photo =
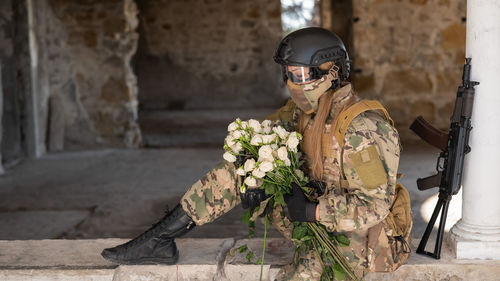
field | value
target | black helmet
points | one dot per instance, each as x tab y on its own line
311	47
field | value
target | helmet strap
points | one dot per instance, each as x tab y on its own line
313	91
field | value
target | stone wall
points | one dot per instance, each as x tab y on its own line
409	54
208	54
14	63
90	45
6	51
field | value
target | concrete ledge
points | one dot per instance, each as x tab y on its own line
201	259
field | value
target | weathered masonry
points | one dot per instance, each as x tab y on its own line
106	73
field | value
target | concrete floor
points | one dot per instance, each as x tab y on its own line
120	193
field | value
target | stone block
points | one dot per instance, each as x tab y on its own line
57	274
115	91
204	272
418	2
426	109
90	39
56	124
453	36
111	26
447	83
364	83
399	111
407	82
246	272
147	272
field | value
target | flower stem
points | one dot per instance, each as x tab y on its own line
325	241
264	248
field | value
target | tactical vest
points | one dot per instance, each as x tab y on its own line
399	218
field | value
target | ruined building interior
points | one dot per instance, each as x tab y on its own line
121	97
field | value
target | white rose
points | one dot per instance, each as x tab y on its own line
244	124
266	166
266	123
251	182
266	152
255	125
299	173
229	157
282	133
274	146
258	173
249	165
256	140
237	148
231	127
292	142
288	162
267	139
240	171
283	153
266	126
236	134
230	140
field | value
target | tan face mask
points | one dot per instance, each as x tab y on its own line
306	96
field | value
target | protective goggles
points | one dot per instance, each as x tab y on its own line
302	74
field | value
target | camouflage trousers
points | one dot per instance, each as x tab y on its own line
217	192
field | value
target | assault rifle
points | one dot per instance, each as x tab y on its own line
449	166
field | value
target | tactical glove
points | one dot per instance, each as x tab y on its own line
319	186
252	199
299	208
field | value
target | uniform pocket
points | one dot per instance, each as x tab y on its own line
369	167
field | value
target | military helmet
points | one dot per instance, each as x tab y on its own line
311	47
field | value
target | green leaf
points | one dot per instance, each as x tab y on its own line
251	229
243	248
306	238
299	232
246	216
279	200
338	271
270	188
343	240
250	256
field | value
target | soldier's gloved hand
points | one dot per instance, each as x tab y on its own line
299	208
252	199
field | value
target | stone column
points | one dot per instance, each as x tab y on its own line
477	234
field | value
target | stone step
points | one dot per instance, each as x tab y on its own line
202	259
192	128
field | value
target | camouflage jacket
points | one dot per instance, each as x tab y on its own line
357	203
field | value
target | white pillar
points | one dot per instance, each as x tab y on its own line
477	234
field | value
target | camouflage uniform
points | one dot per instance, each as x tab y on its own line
356	207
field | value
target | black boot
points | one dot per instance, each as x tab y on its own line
156	245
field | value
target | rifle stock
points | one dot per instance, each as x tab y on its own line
429	133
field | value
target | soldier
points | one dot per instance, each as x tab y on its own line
352	152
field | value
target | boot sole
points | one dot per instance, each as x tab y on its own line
146	261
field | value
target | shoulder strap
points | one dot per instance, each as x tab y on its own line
345	117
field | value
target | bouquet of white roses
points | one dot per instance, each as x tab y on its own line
267	157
